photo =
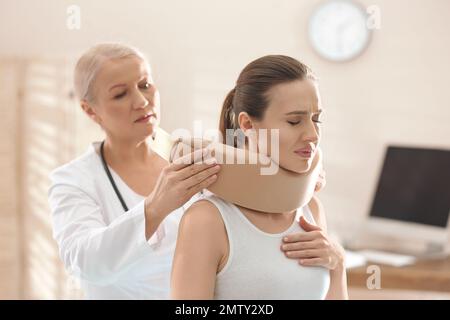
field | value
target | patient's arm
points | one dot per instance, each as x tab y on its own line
200	248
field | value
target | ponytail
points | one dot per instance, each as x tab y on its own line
227	116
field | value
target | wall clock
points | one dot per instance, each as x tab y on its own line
338	31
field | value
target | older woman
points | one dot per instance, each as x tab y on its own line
116	208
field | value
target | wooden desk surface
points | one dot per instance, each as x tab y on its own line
426	275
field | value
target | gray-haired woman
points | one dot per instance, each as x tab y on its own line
116	208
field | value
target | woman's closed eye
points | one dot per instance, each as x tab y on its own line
144	86
293	123
120	95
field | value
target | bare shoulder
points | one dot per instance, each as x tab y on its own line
203	214
318	212
198	253
202	226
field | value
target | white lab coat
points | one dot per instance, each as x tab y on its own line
100	243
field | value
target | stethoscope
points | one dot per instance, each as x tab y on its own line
108	173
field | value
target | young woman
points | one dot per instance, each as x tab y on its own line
225	251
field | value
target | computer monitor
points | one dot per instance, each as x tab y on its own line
412	197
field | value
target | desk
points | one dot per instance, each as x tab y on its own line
425	275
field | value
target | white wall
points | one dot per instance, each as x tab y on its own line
396	92
9	185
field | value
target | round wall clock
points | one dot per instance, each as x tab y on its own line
338	31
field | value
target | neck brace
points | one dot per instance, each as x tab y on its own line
241	182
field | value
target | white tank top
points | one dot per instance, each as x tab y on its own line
256	267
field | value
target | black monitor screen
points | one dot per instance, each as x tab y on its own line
414	186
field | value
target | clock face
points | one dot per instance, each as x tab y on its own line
338	31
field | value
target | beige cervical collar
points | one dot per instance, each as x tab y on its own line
243	184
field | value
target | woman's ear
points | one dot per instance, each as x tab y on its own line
247	126
90	111
244	121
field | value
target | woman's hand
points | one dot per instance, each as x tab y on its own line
179	181
313	247
321	181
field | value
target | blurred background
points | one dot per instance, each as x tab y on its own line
386	86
